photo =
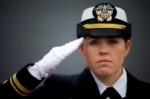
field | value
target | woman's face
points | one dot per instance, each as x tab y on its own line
105	55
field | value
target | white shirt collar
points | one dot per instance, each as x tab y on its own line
120	85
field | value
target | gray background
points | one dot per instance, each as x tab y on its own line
30	28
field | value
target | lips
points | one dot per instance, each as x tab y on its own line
104	61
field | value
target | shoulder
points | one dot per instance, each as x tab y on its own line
139	87
134	81
68	80
60	79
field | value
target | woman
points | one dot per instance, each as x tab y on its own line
104	42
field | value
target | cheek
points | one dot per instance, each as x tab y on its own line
90	55
119	56
87	55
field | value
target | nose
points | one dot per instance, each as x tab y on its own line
104	49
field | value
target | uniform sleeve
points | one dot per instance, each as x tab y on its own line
20	84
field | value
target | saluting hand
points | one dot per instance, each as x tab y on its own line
54	57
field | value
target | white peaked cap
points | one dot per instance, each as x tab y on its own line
104	19
88	14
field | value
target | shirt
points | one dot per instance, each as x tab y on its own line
120	85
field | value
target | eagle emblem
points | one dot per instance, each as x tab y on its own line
104	12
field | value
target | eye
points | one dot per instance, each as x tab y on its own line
93	42
113	41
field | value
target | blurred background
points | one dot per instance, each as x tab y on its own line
30	28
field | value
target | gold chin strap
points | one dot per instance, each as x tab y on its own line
104	25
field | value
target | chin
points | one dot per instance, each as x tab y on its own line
104	73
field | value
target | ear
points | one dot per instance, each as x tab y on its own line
80	48
128	47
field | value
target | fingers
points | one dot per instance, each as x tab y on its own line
70	47
74	44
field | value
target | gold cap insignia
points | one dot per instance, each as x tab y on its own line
104	12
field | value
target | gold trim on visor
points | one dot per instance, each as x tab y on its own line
104	25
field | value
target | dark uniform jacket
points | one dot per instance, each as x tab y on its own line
79	86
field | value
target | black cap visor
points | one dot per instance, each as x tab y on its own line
104	32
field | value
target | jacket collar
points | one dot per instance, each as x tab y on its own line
86	87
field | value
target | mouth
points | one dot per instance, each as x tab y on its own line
104	61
